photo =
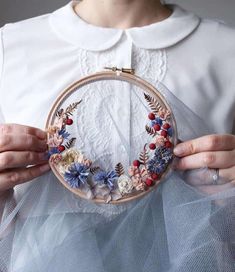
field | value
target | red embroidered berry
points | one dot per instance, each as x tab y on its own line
149	182
164	133
154	176
152	146
166	126
136	163
69	122
151	116
61	148
157	127
168	144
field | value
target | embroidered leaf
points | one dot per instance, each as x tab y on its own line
93	170
69	110
144	157
119	169
154	105
60	113
70	143
150	131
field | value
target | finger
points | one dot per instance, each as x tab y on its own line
13	177
227	174
218	159
14	159
17	129
205	143
23	142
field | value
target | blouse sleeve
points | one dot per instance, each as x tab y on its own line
1	71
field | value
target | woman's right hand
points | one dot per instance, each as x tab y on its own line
21	147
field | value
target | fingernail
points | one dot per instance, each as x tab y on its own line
45	167
41	134
179	150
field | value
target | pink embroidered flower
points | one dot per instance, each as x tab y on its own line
52	130
59	121
55	140
133	170
56	158
139	179
136	180
140	187
159	141
144	174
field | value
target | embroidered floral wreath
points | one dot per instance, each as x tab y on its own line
80	174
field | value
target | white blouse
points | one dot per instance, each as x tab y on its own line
41	56
193	58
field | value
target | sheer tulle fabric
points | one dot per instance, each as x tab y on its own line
186	224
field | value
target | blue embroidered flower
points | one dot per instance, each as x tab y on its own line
162	157
52	151
64	133
76	175
108	178
170	131
157	121
163	154
156	166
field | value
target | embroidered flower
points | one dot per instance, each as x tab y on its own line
52	151
170	131
76	175
156	166
162	157
157	121
163	153
55	140
71	156
133	170
159	141
141	187
52	130
59	121
125	184
64	133
56	158
107	178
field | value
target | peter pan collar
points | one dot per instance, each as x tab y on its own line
168	32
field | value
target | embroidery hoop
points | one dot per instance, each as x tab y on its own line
126	75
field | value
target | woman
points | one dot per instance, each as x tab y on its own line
193	58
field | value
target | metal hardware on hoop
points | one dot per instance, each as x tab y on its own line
124	70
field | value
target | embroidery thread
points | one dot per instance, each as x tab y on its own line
80	173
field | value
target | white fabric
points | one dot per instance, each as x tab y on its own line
41	60
195	59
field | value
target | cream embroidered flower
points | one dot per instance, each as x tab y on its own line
125	184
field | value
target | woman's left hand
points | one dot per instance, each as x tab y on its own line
212	151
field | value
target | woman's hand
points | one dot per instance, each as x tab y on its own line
213	151
21	147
